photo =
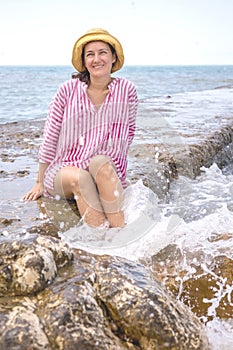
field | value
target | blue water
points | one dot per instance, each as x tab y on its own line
26	91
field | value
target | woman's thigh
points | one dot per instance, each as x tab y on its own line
71	181
66	182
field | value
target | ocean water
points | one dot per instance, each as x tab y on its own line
197	208
26	91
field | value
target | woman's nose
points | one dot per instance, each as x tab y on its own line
96	56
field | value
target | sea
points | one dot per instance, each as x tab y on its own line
197	209
26	91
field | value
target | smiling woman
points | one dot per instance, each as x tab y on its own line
88	131
98	60
97	34
98	55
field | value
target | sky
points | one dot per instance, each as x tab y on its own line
152	32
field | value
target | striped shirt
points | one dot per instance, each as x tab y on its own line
75	130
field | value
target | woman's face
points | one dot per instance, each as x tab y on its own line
98	58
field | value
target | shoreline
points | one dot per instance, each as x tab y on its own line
175	135
155	165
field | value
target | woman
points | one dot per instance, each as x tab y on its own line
88	131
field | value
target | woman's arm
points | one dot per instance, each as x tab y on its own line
133	108
48	147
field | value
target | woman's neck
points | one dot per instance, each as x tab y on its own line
100	84
98	90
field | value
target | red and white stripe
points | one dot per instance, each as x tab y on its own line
75	130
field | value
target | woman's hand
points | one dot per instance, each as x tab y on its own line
37	190
35	193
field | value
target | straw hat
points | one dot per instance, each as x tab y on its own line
96	34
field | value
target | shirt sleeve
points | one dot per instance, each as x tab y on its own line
133	108
52	127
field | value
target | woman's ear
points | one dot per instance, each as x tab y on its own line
114	58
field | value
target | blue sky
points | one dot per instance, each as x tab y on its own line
151	31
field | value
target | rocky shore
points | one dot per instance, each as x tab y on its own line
54	297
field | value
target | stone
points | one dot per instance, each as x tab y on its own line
53	298
143	311
29	264
21	329
202	283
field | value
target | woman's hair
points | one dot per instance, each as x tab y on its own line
85	76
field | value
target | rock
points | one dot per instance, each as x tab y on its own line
209	290
154	165
22	173
142	310
201	282
97	302
21	329
73	319
190	159
7	222
28	265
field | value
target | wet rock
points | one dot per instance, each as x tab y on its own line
28	265
154	165
3	173
22	173
97	302
192	158
143	311
73	319
63	213
158	165
215	236
7	222
167	267
21	329
202	282
62	254
209	291
224	157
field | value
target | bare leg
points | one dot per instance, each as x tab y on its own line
71	182
110	189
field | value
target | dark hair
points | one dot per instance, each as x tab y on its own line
85	76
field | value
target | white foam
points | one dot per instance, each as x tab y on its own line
142	213
151	226
220	334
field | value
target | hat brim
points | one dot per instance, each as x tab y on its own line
96	36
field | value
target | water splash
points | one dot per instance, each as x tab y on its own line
141	214
220	334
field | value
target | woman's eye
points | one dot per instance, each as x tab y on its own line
91	54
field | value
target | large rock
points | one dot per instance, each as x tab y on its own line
20	327
202	282
28	265
140	309
97	302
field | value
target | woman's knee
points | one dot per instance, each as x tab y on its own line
85	180
101	165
